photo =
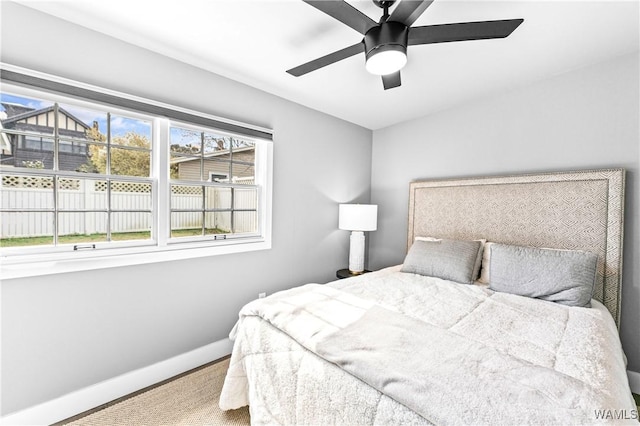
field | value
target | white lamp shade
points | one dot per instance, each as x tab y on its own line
358	217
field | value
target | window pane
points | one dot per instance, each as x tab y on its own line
82	123
244	151
245	199
130	196
77	127
26	192
130	131
27	114
243	174
217	198
26	229
186	197
245	222
29	152
186	224
217	169
184	141
214	144
82	194
83	157
184	167
87	227
218	223
129	162
130	226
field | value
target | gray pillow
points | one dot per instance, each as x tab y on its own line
561	276
452	260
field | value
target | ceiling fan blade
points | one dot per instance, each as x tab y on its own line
345	13
391	80
329	59
408	11
462	31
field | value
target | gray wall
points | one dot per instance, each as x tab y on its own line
587	118
64	332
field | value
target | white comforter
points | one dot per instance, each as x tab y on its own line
390	347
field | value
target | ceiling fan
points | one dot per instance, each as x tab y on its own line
385	43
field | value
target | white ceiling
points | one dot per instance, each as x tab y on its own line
256	41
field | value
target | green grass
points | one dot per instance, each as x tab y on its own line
194	232
100	237
73	239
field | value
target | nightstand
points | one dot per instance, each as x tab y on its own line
344	273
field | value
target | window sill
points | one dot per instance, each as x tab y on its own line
13	270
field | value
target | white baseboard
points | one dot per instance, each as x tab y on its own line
634	381
101	393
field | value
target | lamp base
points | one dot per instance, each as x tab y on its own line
345	273
356	252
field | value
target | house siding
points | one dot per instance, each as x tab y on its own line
243	166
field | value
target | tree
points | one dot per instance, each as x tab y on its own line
127	162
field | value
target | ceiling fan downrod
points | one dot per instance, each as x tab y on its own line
384	5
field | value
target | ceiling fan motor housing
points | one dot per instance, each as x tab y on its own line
386	36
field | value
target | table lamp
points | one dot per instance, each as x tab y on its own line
357	218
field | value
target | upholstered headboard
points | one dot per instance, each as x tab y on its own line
580	210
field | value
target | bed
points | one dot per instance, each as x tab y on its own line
505	311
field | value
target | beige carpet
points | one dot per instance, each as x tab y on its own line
189	400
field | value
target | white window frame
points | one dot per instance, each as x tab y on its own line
36	261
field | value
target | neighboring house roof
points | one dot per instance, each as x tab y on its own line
12	109
30	112
177	160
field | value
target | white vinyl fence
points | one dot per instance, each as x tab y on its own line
20	192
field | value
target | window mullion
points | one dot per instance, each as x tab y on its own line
108	161
160	160
56	167
204	221
204	188
55	210
202	156
109	209
56	138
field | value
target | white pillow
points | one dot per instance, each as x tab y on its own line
479	259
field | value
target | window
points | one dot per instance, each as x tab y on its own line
215	177
201	205
81	177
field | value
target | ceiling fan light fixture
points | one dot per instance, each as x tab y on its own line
386	48
387	61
